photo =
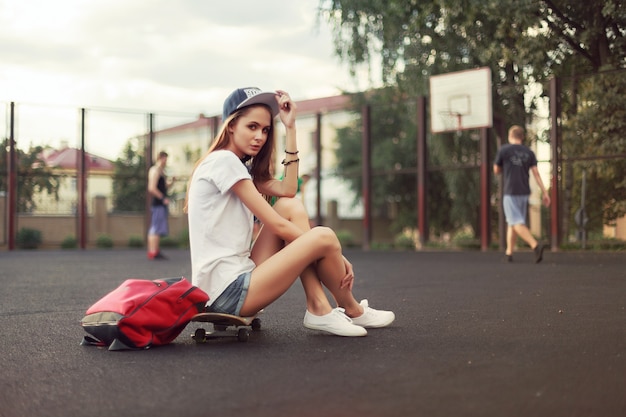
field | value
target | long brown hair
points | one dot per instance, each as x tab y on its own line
259	166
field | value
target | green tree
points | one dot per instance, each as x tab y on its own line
394	161
595	136
129	179
580	37
591	39
33	176
419	39
522	41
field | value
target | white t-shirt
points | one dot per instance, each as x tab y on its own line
220	225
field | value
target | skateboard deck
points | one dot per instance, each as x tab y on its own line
225	325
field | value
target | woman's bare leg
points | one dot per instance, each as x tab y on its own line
293	210
268	244
273	277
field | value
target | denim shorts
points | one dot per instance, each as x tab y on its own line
231	299
515	209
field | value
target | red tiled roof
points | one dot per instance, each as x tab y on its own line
68	158
323	105
201	122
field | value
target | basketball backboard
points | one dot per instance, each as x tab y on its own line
460	100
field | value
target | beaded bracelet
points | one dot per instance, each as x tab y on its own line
291	153
285	162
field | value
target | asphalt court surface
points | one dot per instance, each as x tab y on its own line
473	336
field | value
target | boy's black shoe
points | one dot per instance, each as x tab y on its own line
539	252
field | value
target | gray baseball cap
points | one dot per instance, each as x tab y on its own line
243	97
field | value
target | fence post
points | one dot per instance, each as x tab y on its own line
81	182
485	191
12	185
366	174
500	131
100	215
149	162
332	217
422	173
555	144
3	216
318	168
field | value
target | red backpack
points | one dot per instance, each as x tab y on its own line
142	313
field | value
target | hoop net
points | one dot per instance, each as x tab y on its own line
452	121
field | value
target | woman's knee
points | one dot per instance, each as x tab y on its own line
325	237
290	207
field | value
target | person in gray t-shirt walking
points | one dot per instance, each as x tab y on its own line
514	161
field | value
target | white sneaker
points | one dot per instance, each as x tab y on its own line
335	322
373	318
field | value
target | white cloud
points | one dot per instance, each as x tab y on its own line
163	55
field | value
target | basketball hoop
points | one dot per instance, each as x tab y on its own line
460	100
451	120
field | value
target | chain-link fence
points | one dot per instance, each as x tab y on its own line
360	171
51	140
79	173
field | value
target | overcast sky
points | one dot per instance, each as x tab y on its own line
161	55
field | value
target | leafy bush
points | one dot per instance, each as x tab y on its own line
345	238
466	240
408	239
183	239
604	244
28	238
168	242
610	244
404	241
69	242
135	242
381	246
104	242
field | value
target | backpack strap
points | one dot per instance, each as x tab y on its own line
91	341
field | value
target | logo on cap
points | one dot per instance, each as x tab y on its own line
251	92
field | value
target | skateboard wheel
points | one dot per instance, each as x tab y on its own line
243	335
256	324
199	335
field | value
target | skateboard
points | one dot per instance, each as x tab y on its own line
225	325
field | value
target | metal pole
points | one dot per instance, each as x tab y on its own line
502	227
583	214
149	162
318	169
215	124
422	175
555	138
81	184
12	185
366	175
485	206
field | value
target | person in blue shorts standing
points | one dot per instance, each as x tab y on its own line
514	161
157	188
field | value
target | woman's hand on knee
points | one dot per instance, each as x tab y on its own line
348	280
